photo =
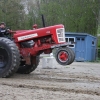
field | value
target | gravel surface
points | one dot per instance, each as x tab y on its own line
78	81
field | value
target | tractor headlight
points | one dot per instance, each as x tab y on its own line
60	34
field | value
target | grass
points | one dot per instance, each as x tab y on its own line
96	61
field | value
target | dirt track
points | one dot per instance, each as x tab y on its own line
78	81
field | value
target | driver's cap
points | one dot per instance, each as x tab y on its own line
2	23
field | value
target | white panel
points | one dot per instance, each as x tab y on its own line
27	36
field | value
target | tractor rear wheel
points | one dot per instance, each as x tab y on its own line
27	69
9	58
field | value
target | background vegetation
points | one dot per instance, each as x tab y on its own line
76	15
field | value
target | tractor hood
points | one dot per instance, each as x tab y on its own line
23	35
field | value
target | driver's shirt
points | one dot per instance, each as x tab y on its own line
2	32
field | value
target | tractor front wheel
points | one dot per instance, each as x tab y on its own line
64	56
72	55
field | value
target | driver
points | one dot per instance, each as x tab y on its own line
3	30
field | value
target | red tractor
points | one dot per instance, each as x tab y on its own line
21	54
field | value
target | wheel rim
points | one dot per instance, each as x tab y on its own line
3	58
63	56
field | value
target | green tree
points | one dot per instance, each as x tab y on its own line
76	15
12	13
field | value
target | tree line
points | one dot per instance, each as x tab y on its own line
76	15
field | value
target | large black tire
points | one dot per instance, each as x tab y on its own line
9	58
63	56
27	69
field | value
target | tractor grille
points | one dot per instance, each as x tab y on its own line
60	34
